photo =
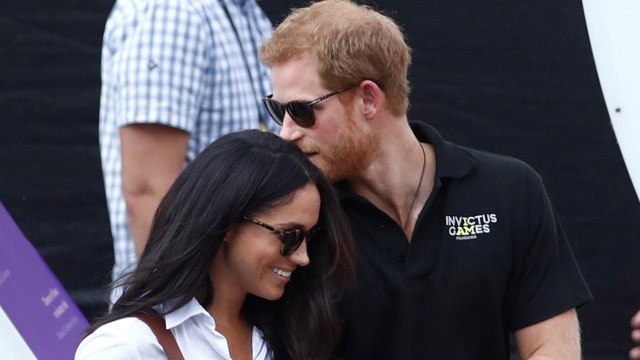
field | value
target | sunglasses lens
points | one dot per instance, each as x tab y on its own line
291	241
275	110
301	113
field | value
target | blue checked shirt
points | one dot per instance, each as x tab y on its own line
179	63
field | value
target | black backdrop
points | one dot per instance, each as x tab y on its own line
512	77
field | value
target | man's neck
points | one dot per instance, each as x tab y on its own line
391	180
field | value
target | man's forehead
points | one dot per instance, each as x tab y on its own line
297	65
295	78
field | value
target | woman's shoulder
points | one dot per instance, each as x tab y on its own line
126	338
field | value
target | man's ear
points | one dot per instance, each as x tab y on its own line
372	97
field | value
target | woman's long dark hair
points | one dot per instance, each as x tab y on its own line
243	174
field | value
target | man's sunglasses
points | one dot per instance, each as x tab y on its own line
291	239
300	111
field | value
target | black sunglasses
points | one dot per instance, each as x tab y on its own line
300	111
291	239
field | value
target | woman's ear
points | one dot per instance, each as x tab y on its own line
231	233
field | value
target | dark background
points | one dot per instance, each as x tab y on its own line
512	77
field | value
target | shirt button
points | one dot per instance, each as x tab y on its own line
400	258
381	226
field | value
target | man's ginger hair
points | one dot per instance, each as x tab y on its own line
351	43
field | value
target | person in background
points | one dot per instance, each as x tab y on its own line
634	354
176	75
455	247
246	256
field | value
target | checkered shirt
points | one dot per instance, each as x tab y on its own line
178	63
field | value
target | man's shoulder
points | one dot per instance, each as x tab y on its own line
493	160
497	174
456	160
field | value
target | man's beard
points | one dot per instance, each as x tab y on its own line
351	153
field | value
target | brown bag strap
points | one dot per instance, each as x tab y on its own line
157	324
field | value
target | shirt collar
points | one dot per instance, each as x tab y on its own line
193	308
451	160
180	315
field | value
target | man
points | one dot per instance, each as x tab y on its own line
176	75
456	247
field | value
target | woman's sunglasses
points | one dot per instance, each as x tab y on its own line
291	239
300	111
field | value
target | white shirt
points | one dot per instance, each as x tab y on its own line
192	326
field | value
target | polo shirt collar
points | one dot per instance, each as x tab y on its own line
452	161
190	309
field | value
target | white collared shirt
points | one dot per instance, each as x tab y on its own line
192	326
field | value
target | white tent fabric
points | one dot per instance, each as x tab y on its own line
614	33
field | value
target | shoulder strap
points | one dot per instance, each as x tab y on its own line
168	342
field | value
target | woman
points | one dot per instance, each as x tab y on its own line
246	255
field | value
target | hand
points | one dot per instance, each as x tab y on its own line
634	354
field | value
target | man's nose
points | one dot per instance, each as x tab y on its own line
290	130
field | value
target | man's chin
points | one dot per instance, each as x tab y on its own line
330	171
326	169
317	161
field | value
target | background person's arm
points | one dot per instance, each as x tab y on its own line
152	157
557	338
634	354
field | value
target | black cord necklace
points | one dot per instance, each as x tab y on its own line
415	196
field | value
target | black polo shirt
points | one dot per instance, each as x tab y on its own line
488	256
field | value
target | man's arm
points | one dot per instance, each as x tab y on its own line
152	157
555	338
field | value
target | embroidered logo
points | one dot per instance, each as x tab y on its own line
469	227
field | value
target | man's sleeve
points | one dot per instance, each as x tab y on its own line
545	280
160	71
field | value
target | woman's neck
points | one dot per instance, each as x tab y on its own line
226	310
227	314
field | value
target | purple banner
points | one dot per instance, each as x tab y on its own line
32	300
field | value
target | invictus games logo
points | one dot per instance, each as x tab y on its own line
469	227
